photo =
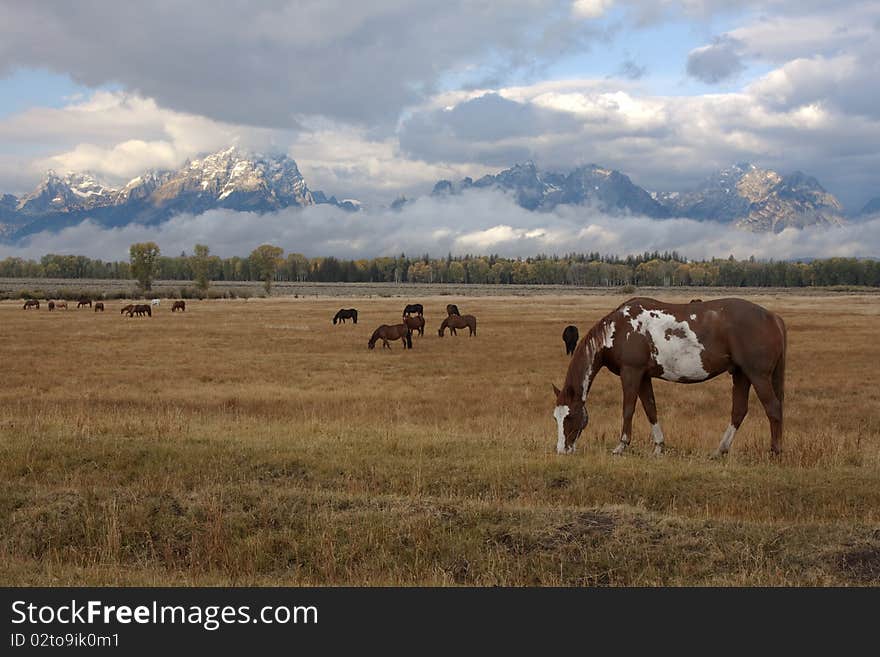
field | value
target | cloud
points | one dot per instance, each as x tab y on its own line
117	136
590	9
489	129
632	71
716	62
478	222
268	63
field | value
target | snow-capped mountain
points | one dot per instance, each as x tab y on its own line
743	195
757	199
534	189
749	197
230	178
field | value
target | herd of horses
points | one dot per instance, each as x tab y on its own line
641	340
130	310
413	321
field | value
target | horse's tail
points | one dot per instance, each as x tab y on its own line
355	316
408	339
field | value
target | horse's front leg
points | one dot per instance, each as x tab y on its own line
646	395
630	379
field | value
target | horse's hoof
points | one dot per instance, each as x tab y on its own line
658	451
618	451
717	455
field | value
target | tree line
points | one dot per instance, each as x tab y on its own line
269	264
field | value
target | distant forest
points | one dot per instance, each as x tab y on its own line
585	269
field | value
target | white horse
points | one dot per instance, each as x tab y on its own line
154	302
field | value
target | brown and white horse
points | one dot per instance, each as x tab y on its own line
644	339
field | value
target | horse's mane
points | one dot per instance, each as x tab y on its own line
375	335
584	365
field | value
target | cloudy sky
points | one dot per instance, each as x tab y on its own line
382	97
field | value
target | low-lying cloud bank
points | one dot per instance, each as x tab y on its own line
480	222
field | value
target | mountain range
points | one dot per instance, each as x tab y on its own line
230	178
743	195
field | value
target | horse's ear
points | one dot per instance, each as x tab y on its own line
556	391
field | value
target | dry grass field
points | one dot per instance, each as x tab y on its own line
252	442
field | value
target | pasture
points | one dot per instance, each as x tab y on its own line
254	442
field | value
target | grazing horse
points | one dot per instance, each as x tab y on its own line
51	306
344	314
99	306
60	305
83	301
126	309
416	323
457	322
413	309
155	302
687	343
180	305
452	309
570	338
140	310
31	303
396	332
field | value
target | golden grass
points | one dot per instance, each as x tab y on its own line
252	442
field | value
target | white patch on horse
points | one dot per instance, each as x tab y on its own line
560	413
608	342
657	434
624	311
601	339
727	439
693	317
624	441
677	349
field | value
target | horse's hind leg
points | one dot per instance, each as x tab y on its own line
630	379
646	395
741	385
773	408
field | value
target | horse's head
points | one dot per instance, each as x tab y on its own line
571	418
334	319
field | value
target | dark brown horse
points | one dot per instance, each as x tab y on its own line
83	301
570	338
396	332
51	306
416	323
180	305
99	305
31	303
344	314
645	339
140	310
413	309
452	309
453	322
126	309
